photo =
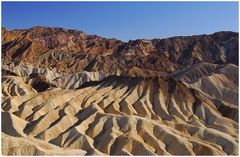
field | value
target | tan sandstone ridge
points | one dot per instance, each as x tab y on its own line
68	93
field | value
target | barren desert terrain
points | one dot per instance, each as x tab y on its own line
65	92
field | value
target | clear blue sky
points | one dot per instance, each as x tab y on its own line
125	20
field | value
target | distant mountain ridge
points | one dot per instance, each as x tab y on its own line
70	49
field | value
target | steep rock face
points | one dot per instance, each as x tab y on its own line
68	93
74	51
